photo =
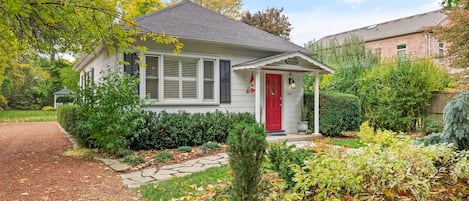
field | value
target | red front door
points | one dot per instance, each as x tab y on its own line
273	102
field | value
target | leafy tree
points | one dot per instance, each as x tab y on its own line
271	20
450	4
70	78
395	95
349	60
456	33
21	86
228	8
135	8
70	26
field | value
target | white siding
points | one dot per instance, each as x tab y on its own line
241	101
101	63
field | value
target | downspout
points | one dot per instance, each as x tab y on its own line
427	53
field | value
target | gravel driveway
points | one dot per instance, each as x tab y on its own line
32	167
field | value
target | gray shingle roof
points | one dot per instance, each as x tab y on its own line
64	91
191	21
402	26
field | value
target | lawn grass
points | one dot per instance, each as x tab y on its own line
178	187
350	143
12	116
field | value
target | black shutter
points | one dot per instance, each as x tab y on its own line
92	75
131	67
225	81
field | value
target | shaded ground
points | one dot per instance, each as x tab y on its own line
32	167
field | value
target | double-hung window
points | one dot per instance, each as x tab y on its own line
177	79
441	52
151	77
180	78
401	50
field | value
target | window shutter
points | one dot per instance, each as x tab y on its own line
92	75
132	66
225	81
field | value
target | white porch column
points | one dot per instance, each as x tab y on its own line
257	106
316	103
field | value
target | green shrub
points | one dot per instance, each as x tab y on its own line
396	95
184	149
210	145
110	112
170	130
432	126
283	158
338	112
164	156
246	148
382	137
68	117
133	159
48	108
378	172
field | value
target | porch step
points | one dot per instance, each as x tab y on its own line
276	133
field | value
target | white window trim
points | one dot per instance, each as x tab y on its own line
399	50
200	81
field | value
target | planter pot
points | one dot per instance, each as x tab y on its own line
303	127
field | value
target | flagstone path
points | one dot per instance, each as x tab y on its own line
153	175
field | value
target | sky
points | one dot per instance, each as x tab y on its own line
314	19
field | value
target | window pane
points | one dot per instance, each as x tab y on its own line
208	90
208	69
208	80
171	89
171	67
189	89
152	88
152	66
189	68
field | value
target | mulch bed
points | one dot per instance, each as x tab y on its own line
179	157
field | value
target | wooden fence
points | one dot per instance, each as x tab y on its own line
438	103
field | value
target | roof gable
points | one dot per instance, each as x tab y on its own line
398	27
191	21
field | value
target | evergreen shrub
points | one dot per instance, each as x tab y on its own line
337	112
68	117
246	148
165	130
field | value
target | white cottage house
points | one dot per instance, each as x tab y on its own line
225	65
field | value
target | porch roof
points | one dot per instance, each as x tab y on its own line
289	61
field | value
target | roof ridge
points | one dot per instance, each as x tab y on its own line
381	23
163	10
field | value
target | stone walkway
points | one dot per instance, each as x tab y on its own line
153	175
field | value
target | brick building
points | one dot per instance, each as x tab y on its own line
407	36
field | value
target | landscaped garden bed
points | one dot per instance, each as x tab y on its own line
176	156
